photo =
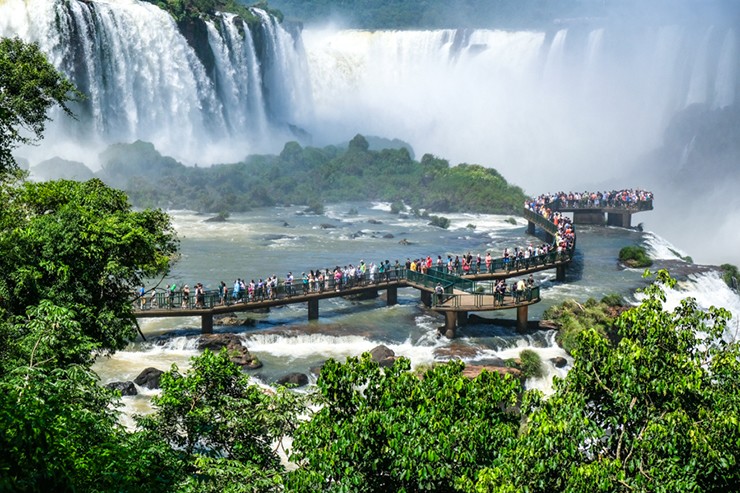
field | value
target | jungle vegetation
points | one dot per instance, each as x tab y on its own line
654	408
308	176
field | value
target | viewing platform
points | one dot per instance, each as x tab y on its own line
611	213
462	292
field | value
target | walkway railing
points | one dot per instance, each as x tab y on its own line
471	301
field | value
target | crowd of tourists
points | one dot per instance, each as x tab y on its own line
345	277
626	199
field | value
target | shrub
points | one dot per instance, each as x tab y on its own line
635	256
440	222
531	364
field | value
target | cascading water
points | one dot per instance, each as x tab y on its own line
579	101
143	80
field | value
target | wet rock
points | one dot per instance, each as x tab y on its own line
388	236
405	242
238	353
294	379
383	355
149	378
456	350
559	361
472	371
374	221
126	388
316	369
327	226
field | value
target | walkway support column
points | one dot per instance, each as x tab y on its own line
521	318
450	324
588	217
619	219
391	296
313	309
426	298
530	227
206	323
560	273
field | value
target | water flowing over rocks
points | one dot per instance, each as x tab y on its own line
472	371
294	379
559	362
126	388
238	353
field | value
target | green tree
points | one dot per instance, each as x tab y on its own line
82	247
388	429
29	87
223	427
656	409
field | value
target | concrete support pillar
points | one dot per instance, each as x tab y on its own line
206	323
426	298
619	219
588	217
450	324
391	296
313	309
530	227
549	238
521	318
560	273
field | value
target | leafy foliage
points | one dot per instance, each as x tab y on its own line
395	14
531	364
730	275
188	10
572	318
654	410
223	426
388	429
29	87
309	176
635	256
80	246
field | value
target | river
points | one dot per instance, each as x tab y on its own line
271	241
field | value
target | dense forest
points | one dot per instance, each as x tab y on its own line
307	176
502	14
651	402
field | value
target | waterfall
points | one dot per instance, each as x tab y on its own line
725	84
574	102
144	80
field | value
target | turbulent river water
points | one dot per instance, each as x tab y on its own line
271	241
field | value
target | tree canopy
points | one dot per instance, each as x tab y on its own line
29	87
305	175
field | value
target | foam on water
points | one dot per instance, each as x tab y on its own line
660	248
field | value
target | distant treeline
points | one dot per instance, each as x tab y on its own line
407	14
308	176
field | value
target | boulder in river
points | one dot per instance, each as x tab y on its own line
126	388
149	378
294	379
383	355
238	353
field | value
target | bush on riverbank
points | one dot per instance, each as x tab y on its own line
531	364
572	318
635	257
730	275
